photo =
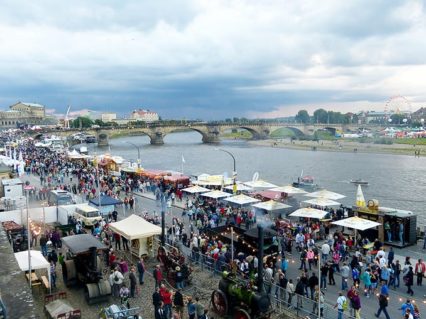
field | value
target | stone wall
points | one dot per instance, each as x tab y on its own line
15	292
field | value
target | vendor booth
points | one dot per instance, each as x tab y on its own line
139	232
37	262
105	204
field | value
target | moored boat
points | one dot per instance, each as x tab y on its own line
305	182
359	182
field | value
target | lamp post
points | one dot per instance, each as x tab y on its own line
234	173
139	152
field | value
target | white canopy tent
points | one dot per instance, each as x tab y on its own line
216	194
240	187
322	202
326	194
196	189
213	180
356	223
241	199
309	213
271	205
138	231
288	189
259	184
37	261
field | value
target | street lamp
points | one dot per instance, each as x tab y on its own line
234	173
139	152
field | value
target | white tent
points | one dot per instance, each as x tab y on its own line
213	180
259	184
240	187
216	194
241	199
37	261
288	189
138	231
195	189
309	213
356	223
326	194
322	202
271	205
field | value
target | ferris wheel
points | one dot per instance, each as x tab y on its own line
397	104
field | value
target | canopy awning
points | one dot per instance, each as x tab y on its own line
322	202
81	243
356	223
309	213
213	180
37	260
105	201
241	199
240	187
271	205
135	227
196	189
326	194
260	184
288	189
216	194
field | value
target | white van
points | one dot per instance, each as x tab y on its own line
89	215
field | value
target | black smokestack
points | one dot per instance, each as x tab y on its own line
93	258
260	257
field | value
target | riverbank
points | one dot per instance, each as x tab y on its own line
343	146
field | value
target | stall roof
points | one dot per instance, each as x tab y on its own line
105	201
135	227
356	223
37	260
81	243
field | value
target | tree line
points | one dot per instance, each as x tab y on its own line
322	116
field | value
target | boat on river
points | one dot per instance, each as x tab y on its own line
306	182
359	182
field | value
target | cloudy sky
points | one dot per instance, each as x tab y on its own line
212	59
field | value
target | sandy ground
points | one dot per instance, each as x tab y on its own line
343	146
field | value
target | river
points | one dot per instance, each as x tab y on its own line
397	181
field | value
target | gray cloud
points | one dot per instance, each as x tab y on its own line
210	59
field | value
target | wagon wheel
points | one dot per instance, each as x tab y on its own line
240	313
219	302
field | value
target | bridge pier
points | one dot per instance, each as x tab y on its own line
103	139
157	138
211	139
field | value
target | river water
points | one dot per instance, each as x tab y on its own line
397	181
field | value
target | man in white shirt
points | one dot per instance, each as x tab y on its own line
339	304
325	250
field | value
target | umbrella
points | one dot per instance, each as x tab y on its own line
195	189
360	200
326	194
216	194
240	187
271	205
356	223
322	202
241	199
309	213
259	184
214	180
288	189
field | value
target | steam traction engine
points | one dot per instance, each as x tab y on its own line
239	298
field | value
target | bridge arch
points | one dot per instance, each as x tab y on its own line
204	136
296	131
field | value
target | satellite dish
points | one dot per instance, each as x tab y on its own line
255	177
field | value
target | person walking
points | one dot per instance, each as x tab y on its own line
341	303
300	291
356	304
313	282
158	276
323	279
408	280
344	271
156	301
290	292
191	308
420	271
178	303
117	280
383	303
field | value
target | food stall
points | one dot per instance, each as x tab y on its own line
391	218
139	232
105	204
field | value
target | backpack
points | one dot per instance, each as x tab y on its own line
116	277
345	304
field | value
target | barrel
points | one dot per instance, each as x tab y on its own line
373	203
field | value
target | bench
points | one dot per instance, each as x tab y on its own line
45	282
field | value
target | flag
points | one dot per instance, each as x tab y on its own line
183	159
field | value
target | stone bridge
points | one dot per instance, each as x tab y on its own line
210	132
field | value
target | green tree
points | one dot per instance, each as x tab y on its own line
303	117
320	116
397	119
82	122
100	122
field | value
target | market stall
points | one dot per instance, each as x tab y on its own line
37	262
105	204
139	232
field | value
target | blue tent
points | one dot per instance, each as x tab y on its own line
107	204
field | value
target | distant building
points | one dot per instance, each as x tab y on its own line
108	117
419	115
22	113
378	117
144	115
